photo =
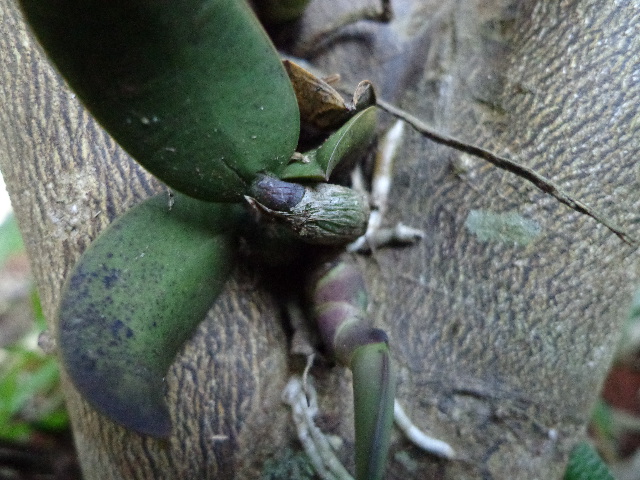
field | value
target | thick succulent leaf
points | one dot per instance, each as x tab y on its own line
342	148
135	297
373	396
193	90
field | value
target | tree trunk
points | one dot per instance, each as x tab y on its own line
502	321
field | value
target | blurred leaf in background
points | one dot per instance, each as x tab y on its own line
290	465
30	396
615	424
16	313
34	428
10	240
586	464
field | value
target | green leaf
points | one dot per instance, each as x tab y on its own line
10	239
57	419
27	375
135	296
602	420
38	314
306	168
586	464
373	397
193	90
344	147
289	465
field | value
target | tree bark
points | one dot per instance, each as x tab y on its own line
501	345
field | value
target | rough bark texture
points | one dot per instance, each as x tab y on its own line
502	347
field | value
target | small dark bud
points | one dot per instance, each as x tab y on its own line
276	194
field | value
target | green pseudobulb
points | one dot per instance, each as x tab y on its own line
135	296
193	90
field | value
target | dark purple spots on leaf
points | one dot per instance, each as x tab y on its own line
77	280
119	330
116	327
110	279
87	362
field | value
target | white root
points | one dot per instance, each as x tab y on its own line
376	236
418	437
304	406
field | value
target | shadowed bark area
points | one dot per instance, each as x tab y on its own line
502	321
